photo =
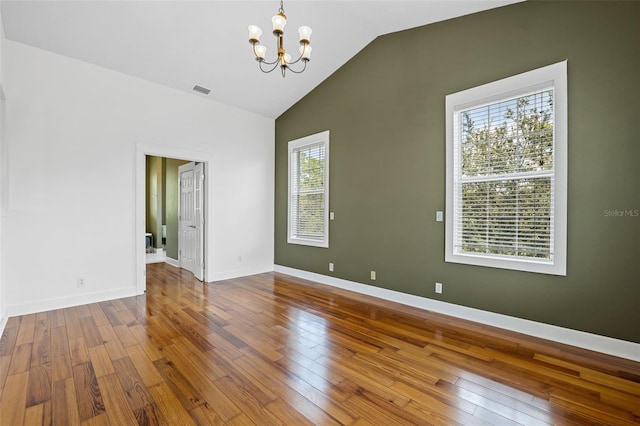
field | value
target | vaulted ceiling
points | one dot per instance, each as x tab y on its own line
181	43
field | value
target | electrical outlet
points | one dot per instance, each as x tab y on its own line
330	267
439	288
373	275
80	282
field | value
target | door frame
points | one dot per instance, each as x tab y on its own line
142	150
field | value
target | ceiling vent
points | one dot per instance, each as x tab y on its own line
202	90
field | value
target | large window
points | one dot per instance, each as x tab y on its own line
309	190
507	173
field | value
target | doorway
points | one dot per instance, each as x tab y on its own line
207	234
162	205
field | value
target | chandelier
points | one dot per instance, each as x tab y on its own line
284	59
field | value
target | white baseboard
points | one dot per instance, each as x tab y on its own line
3	323
227	275
594	342
172	262
242	272
44	305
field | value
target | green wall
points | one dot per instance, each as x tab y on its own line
163	196
385	111
155	200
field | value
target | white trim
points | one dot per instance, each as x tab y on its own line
317	138
172	262
227	275
556	75
594	342
3	324
45	305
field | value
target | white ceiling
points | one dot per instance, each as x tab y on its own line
181	43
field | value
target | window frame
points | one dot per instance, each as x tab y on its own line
554	75
321	138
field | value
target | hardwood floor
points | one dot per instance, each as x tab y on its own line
273	349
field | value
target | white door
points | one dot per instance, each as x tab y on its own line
191	219
198	198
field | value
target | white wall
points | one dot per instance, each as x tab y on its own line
74	133
3	181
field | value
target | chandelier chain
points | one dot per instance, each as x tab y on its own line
281	10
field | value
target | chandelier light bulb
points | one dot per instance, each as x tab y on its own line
261	52
305	52
254	33
279	21
305	34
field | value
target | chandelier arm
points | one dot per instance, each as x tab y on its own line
275	65
296	61
262	61
277	61
301	55
301	71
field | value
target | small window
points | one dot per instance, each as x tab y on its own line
308	222
507	173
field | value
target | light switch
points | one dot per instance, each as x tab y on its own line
438	216
330	215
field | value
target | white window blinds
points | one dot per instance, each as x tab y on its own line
308	190
504	178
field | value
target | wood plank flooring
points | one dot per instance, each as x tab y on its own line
271	349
